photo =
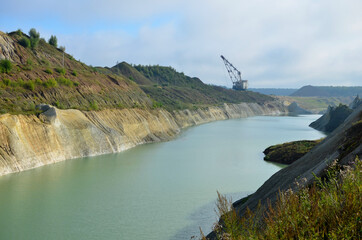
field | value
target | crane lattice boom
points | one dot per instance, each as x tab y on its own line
235	76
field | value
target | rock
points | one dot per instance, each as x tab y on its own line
295	109
28	141
356	102
332	118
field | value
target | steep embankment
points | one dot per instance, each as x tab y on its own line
55	135
334	117
343	144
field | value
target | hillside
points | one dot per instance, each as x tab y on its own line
174	90
323	91
37	76
334	117
338	149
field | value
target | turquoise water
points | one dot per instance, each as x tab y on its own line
155	191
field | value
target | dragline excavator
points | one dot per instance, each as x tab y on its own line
235	76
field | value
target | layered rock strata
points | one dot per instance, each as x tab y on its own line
55	135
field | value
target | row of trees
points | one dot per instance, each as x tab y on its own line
33	40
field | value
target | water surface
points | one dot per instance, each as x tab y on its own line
155	191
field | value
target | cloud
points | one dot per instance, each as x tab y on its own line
278	43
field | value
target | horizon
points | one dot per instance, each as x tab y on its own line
275	45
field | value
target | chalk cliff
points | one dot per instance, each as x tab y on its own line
29	141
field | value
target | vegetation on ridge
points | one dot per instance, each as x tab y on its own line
40	74
289	152
329	209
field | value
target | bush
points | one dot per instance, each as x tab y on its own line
34	42
53	41
329	209
50	83
34	34
62	48
93	106
29	85
74	73
65	81
49	71
34	38
6	82
61	71
5	66
25	42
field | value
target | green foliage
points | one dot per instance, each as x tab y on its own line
25	42
61	71
5	66
34	38
62	48
65	81
30	85
50	83
19	32
156	104
74	73
33	33
329	209
49	71
93	106
287	153
6	82
53	41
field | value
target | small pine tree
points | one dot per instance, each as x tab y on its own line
53	41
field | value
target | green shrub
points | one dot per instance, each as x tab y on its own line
30	85
19	32
6	82
53	41
34	42
50	83
65	81
38	82
5	66
34	38
93	106
25	42
76	84
49	71
61	71
62	48
74	73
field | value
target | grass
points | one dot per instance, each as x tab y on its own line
289	152
329	209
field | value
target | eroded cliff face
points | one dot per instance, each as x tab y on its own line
56	135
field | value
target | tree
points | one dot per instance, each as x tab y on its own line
34	38
25	42
33	33
53	41
5	66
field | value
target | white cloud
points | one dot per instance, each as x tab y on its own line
278	43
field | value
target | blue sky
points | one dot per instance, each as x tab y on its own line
281	43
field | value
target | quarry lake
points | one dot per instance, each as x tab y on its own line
155	191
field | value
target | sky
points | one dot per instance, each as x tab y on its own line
275	44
